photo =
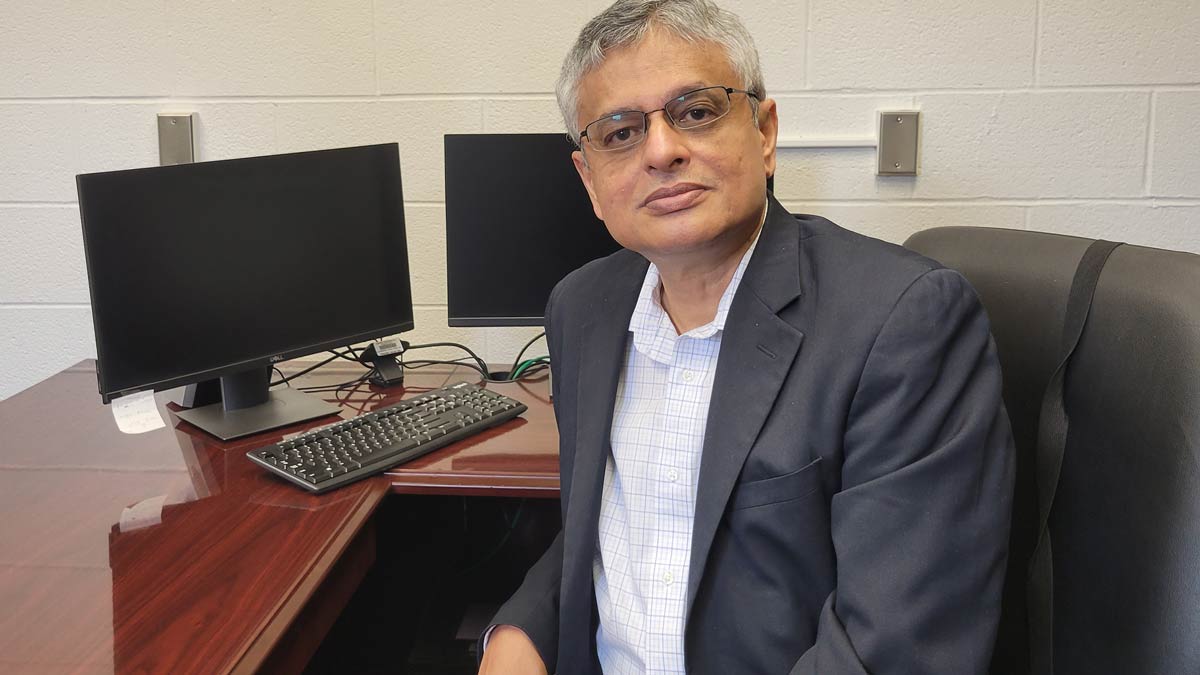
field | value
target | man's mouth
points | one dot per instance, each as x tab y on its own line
673	198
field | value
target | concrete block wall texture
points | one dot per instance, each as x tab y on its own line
1073	116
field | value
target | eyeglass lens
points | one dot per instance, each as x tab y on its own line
690	111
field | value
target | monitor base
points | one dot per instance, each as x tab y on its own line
282	408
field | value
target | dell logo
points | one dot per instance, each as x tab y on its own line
275	359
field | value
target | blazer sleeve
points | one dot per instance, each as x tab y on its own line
534	606
920	525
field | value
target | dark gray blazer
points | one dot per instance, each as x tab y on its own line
856	479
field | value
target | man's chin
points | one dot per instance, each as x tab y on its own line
673	243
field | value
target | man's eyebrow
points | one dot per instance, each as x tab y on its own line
616	111
684	89
673	94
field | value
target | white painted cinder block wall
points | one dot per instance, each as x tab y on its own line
1073	116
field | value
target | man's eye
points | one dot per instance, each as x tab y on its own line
619	136
698	114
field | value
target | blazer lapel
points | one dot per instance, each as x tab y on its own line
602	354
757	351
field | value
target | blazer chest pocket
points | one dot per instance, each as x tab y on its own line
787	487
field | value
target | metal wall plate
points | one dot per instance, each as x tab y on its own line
898	132
175	144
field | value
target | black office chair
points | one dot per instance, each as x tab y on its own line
1125	520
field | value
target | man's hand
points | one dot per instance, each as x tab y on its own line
510	652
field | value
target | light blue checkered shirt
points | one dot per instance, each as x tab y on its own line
649	496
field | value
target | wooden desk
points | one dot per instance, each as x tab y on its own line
517	459
244	572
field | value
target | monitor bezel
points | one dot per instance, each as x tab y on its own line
107	395
495	321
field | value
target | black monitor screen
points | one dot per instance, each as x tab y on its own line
517	221
206	269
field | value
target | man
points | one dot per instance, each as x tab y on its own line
782	444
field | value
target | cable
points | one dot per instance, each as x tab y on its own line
480	366
522	352
536	368
373	397
484	376
474	356
425	363
354	356
524	367
336	355
318	388
293	376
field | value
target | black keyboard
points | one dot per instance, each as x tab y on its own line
329	457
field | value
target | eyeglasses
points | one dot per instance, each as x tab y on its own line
693	110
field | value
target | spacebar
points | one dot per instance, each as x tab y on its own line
383	455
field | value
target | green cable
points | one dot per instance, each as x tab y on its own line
526	365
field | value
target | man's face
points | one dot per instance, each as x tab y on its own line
714	177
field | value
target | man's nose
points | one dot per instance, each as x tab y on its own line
665	147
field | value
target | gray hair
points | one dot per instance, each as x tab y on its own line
626	22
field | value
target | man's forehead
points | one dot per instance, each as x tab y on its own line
648	73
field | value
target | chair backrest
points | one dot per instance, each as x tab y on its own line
1125	523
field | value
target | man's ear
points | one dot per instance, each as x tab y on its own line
585	174
768	128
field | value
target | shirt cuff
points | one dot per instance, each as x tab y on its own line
487	634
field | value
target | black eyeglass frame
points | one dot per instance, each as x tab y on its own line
729	92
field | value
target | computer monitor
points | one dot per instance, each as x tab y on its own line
518	220
223	269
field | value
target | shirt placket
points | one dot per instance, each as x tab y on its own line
672	497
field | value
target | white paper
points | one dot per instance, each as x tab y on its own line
142	514
137	413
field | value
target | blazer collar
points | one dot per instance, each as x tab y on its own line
774	271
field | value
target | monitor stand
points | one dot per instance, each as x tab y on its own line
248	407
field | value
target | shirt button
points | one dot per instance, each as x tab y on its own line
668	578
672	475
688	376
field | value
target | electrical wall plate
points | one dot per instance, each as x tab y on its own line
175	139
898	134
